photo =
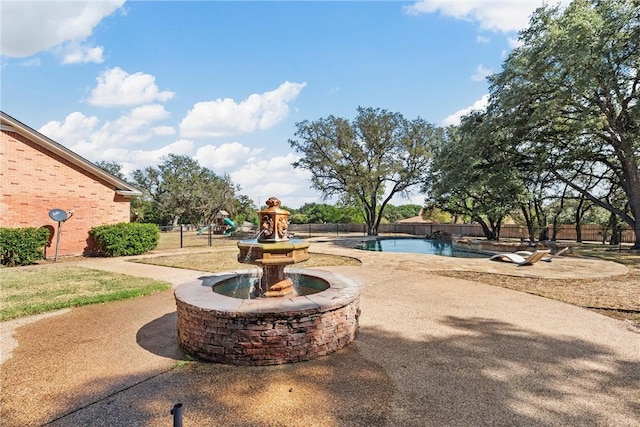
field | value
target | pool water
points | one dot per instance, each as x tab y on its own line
416	246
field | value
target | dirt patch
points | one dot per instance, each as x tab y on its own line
615	296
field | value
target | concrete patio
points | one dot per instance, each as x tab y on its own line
432	351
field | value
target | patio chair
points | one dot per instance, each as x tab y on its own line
519	259
547	258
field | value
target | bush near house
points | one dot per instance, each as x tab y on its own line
22	246
125	238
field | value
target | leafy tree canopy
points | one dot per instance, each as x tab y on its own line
367	161
181	191
469	178
114	168
567	99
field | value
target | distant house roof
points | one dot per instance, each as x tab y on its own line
10	124
416	219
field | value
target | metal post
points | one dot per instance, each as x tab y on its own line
57	241
177	414
180	236
620	240
210	236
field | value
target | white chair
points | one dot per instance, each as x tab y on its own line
548	258
519	259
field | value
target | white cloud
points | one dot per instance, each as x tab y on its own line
81	53
454	118
149	113
76	126
225	117
494	15
225	156
116	87
29	27
88	136
481	73
140	159
163	130
258	175
261	178
33	62
482	39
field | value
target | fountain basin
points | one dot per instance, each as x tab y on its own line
267	331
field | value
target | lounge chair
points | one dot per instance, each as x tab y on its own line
526	254
519	259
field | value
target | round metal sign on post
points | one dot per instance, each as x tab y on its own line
59	216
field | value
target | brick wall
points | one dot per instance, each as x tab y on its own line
34	181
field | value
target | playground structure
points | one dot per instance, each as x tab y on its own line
222	224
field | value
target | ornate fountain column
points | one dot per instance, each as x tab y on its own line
273	251
274	222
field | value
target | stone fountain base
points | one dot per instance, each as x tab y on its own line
266	331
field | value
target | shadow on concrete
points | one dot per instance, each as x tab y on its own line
343	389
483	372
160	337
488	372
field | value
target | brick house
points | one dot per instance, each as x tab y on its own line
37	175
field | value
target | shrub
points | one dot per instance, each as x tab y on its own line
125	238
22	246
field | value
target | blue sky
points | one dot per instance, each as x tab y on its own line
226	81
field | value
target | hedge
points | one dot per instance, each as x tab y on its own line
125	238
22	246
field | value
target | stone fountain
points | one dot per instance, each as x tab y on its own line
274	317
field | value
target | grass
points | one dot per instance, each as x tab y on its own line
42	288
226	259
609	253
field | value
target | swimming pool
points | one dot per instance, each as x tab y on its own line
415	246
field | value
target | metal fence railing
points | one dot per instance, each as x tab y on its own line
590	232
188	236
184	236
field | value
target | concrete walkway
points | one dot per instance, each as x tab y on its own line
432	351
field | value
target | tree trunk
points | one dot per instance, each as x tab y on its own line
488	232
578	218
528	221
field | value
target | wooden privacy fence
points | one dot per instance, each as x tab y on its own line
590	232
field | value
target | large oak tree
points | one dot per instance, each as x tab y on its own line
367	161
568	97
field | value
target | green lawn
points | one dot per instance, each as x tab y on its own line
41	288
